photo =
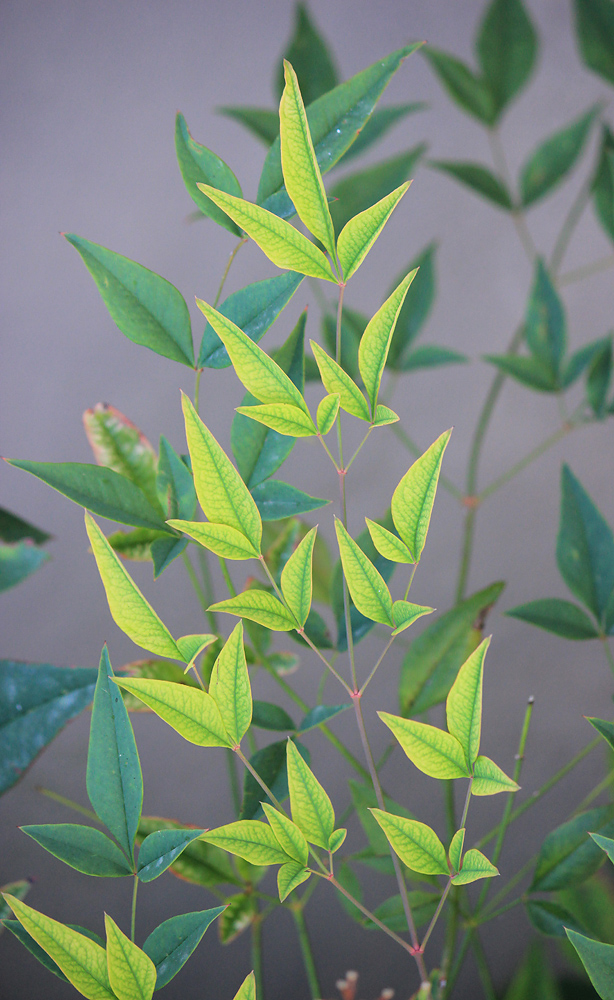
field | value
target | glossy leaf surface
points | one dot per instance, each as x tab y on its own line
296	578
390	546
160	849
404	614
170	945
82	847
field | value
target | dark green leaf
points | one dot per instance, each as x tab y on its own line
558	616
545	327
174	484
33	947
270	763
135	544
471	92
550	918
585	546
568	856
36	702
579	360
82	847
239	914
595	33
275	500
265	715
353	326
359	191
598	960
605	729
430	356
479	178
603	183
506	48
530	372
433	660
114	780
392	911
198	165
592	903
316	630
200	863
335	120
554	158
599	379
160	849
14	529
534	978
380	122
310	58
416	308
172	943
261	122
100	490
146	308
18	561
319	715
164	551
253	309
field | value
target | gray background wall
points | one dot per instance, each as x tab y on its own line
90	91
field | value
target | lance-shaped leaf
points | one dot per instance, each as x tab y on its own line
290	836
555	615
360	233
191	646
336	381
30	944
261	122
405	613
100	490
414	843
258	606
475	865
219	538
160	849
199	165
464	703
597	958
380	122
270	764
130	611
604	728
455	851
506	48
531	372
312	809
432	750
266	715
296	578
568	855
284	245
200	863
17	562
353	325
319	715
132	974
15	529
136	545
599	378
554	158
174	483
606	844
170	945
479	178
367	586
585	546
545	326
595	33
114	780
416	307
470	91
249	839
356	193
82	847
285	418
289	877
119	445
550	918
230	688
310	56
83	962
328	408
247	990
253	309
489	779
221	492
603	183
388	544
276	500
146	308
240	913
373	350
302	175
188	710
413	499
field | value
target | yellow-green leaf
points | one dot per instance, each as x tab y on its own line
375	341
328	408
131	612
219	538
132	973
414	843
312	809
191	646
413	499
405	614
83	962
455	852
475	866
249	839
335	380
291	838
188	710
284	418
230	687
388	545
289	877
221	492
296	582
367	586
360	233
259	606
281	242
301	172
489	779
432	750
248	989
464	703
384	416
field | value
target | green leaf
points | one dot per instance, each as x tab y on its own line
31	945
358	193
367	587
285	418
275	500
200	863
219	538
360	233
605	843
328	408
489	779
188	710
114	779
387	544
174	484
15	529
239	914
129	609
312	809
20	890
291	838
353	325
384	416
296	578
334	119
464	704
416	307
480	179
284	245
319	715
311	58
146	308
170	945
360	624
136	544
82	847
530	372
391	912
198	165
435	657
160	849
534	977
364	799
268	716
595	33
475	866
471	92
230	688
132	973
338	382
119	445
258	606
380	122
249	839
579	360
405	614
506	47
415	843
289	877
261	122
568	856
373	350
247	990
434	751
100	490
545	327
598	960
221	492
270	764
598	380
603	182
36	702
554	158
555	615
604	728
585	546
455	851
82	961
550	918
17	562
413	499
430	356
337	839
